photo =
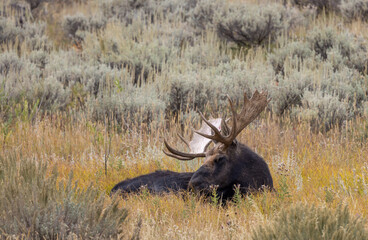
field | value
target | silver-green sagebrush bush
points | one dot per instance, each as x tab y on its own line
354	9
322	110
129	50
10	63
320	5
22	81
34	3
40	58
309	222
295	53
19	11
8	31
135	70
251	25
187	92
128	11
32	34
206	13
75	23
330	65
127	106
35	205
352	50
198	89
75	26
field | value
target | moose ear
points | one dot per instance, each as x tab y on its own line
220	159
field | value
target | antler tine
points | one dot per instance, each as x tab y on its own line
251	109
181	155
217	132
177	157
217	138
232	134
185	141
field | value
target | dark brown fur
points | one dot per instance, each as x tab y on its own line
238	165
156	182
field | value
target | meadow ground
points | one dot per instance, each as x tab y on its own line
323	170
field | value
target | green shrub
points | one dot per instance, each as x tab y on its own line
22	81
294	52
35	205
347	84
127	105
354	9
8	31
323	44
10	63
33	34
322	110
309	222
75	23
40	58
75	26
353	50
19	11
125	10
321	40
289	90
204	15
320	5
128	11
196	89
187	92
142	58
34	3
252	25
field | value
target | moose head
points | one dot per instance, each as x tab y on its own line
228	163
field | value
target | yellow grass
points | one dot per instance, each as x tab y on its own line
314	168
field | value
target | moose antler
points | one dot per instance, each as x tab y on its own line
251	109
197	145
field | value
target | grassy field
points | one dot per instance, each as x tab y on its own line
88	94
324	170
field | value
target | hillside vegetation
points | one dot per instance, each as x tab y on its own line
89	88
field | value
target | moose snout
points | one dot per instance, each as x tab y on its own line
197	184
193	184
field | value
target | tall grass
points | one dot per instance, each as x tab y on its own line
312	168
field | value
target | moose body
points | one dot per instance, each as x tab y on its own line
228	164
242	167
156	182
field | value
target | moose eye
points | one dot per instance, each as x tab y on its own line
220	159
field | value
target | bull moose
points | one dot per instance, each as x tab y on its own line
227	164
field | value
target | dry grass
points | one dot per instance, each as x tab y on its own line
318	169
